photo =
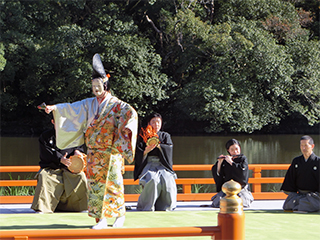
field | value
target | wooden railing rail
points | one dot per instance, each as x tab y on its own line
111	233
231	225
256	181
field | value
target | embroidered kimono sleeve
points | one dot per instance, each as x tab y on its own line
71	121
126	145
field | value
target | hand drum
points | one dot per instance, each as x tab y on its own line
152	141
78	163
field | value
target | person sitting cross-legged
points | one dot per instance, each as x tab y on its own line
153	168
301	182
233	166
58	189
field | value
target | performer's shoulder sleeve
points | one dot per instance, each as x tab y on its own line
70	123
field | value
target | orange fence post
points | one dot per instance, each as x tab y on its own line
186	188
256	187
231	215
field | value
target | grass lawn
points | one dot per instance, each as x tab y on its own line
259	224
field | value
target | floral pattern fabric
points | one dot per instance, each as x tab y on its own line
108	147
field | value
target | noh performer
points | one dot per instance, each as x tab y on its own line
108	126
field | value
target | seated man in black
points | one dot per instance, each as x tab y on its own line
57	187
301	182
153	168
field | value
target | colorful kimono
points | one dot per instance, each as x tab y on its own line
103	126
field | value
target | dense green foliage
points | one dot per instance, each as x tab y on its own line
208	66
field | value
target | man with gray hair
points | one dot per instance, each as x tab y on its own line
301	182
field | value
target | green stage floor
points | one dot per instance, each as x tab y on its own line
259	224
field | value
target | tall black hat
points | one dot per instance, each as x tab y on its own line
98	69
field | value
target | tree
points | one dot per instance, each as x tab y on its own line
237	74
3	61
305	94
49	57
241	86
207	66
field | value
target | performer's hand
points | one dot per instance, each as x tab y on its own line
77	153
127	133
50	108
229	159
149	148
66	161
221	158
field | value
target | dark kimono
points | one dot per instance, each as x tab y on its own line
156	175
165	155
239	172
302	184
57	187
50	155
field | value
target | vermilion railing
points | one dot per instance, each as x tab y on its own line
256	181
231	225
111	233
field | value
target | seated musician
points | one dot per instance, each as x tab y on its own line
233	166
58	189
153	168
301	181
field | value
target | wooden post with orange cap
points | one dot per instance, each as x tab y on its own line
231	215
